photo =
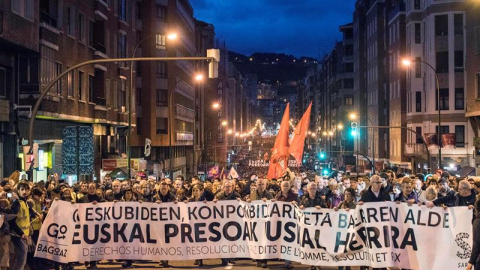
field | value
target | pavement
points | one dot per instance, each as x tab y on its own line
214	264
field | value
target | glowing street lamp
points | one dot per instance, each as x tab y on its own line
224	123
216	105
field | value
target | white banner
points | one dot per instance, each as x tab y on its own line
374	234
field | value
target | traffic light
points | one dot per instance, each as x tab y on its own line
322	154
353	129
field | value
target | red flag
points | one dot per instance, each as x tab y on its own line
279	158
431	140
298	140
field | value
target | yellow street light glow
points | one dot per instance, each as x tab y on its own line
352	116
224	123
199	77
229	131
324	133
237	134
216	105
340	126
313	134
406	62
172	36
330	133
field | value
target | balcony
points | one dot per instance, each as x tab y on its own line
415	150
48	18
184	113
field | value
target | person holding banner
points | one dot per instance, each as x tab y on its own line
197	196
312	198
164	195
376	192
261	192
475	256
286	195
464	197
407	195
227	195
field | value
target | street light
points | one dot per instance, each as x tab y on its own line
407	63
216	105
224	123
171	36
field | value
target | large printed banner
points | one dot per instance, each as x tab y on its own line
373	234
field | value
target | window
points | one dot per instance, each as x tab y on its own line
348	83
58	86
161	69
348	100
70	85
476	39
49	12
121	95
70	21
122	47
416	4
418	67
348	67
122	10
443	130
418	33
443	99
138	96
458	61
81	85
441	25
458	24
162	125
3	82
24	8
349	50
459	136
139	127
91	28
81	28
160	42
442	62
459	99
418	135
162	97
91	94
477	84
418	101
162	12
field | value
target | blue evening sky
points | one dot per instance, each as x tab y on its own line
297	27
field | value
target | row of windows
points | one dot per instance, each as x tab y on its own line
459	97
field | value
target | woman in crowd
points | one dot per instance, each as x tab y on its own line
197	196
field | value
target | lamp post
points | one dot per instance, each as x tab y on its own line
213	57
171	36
407	63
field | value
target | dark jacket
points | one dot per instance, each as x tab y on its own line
403	198
165	198
475	256
369	196
254	196
292	196
312	202
455	200
221	196
90	198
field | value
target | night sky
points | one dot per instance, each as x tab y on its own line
297	27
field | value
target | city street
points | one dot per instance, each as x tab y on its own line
208	264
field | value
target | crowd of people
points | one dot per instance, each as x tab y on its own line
24	205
